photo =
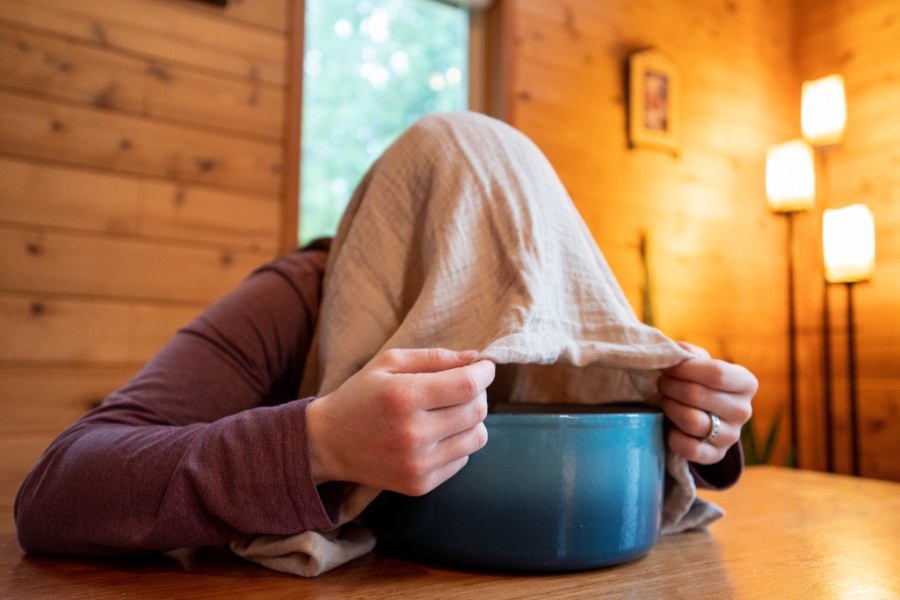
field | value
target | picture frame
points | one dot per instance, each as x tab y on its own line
654	101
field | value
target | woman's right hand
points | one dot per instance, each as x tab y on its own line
406	422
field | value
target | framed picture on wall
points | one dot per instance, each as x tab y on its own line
654	101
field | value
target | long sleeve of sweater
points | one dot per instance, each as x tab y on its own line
722	474
205	444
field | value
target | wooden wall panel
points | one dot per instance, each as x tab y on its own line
861	41
68	70
39	194
172	31
64	394
88	265
37	329
255	108
40	329
141	155
90	137
44	65
36	194
233	219
716	253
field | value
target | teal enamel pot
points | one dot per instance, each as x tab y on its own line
555	489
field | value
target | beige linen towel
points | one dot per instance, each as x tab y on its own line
462	236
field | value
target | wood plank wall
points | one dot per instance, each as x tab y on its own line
141	166
141	151
715	252
717	256
861	41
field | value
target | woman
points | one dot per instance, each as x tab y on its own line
459	236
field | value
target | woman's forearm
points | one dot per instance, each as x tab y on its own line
205	444
110	487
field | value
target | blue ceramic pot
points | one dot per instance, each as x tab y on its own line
551	491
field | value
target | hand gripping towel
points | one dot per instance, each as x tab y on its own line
462	236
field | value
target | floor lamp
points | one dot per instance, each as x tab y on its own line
823	119
848	236
791	188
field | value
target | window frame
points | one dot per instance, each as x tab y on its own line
485	57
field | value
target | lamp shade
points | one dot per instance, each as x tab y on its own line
790	177
848	235
823	110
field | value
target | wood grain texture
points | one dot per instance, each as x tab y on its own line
43	329
140	154
44	196
64	69
788	535
87	265
47	399
169	31
89	74
250	107
45	130
202	214
48	196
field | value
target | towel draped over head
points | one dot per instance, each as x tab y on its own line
462	236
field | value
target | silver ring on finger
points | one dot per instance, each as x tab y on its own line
714	425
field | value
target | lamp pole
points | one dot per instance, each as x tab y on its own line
826	373
849	241
828	396
790	188
851	381
792	341
823	118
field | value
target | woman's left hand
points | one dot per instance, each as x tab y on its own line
695	390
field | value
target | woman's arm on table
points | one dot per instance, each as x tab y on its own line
207	443
204	444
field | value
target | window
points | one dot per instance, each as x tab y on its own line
371	68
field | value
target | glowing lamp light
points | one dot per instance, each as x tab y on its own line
849	243
823	110
790	177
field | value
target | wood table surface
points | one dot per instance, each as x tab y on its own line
788	534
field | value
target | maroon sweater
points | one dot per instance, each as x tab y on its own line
207	443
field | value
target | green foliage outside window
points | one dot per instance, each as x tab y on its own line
371	69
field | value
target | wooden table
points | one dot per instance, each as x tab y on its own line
788	534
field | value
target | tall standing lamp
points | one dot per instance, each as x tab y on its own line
791	188
823	119
848	236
